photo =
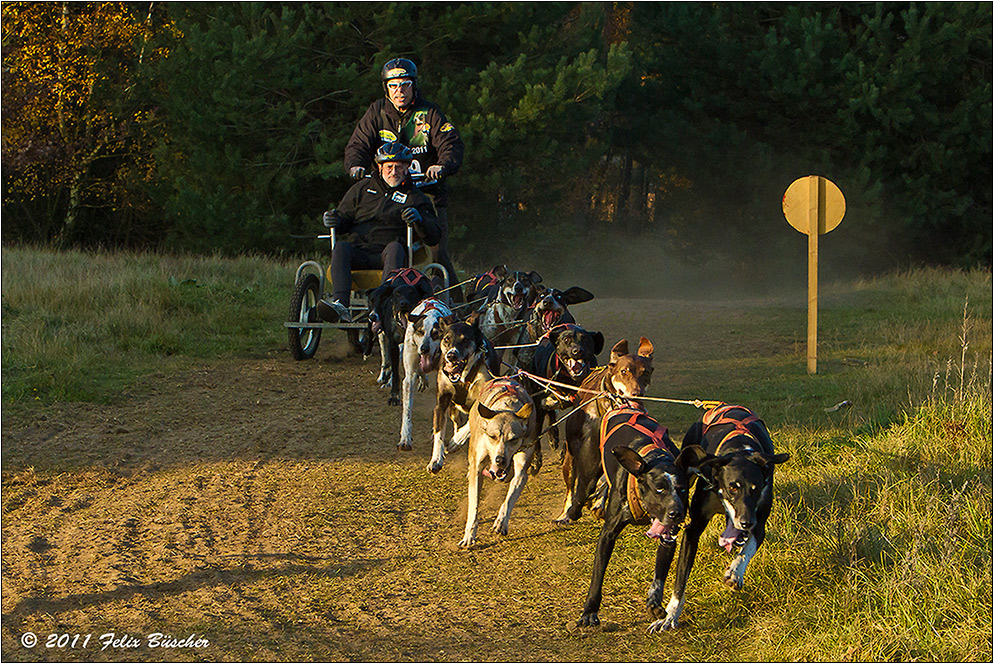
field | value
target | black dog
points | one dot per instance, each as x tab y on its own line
550	309
647	484
739	483
389	305
566	354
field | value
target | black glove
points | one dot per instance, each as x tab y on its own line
357	172
331	219
410	216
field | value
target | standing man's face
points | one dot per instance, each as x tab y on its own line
394	172
400	92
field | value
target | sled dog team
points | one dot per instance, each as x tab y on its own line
508	369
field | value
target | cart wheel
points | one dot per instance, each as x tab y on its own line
303	309
436	274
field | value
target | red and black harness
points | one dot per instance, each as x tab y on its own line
486	280
504	386
718	416
659	443
409	276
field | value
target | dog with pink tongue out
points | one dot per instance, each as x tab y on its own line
737	482
502	428
646	483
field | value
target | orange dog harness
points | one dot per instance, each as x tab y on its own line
718	416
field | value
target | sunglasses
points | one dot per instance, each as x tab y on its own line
399	85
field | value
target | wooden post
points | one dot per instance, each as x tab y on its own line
813	206
815	216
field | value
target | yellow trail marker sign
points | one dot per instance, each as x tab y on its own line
814	206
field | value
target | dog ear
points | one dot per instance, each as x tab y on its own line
524	412
709	466
645	348
485	412
472	318
598	342
535	277
619	351
630	460
763	459
576	295
501	271
690	457
415	318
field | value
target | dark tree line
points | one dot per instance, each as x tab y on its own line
221	126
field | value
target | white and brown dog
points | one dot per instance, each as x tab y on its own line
502	428
420	356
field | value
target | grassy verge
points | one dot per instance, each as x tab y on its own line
79	327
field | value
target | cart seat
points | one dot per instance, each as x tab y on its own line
366	279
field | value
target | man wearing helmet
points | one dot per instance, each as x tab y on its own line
371	222
404	115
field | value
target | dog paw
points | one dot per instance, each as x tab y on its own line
433	467
654	602
393	401
404	446
562	521
658	626
467	542
733	581
500	526
589	620
422	384
536	464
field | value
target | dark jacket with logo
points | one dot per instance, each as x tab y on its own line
422	127
370	214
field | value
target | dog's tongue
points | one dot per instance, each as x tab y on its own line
493	472
728	538
656	530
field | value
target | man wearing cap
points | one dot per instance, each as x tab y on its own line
404	115
371	222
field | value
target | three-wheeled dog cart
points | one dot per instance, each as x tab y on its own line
313	282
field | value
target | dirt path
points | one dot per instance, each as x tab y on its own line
262	507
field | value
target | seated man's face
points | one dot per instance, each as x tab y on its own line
394	172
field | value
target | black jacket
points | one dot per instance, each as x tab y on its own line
370	213
422	127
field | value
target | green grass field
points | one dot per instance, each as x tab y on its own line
880	543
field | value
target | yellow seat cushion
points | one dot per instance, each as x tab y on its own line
367	279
